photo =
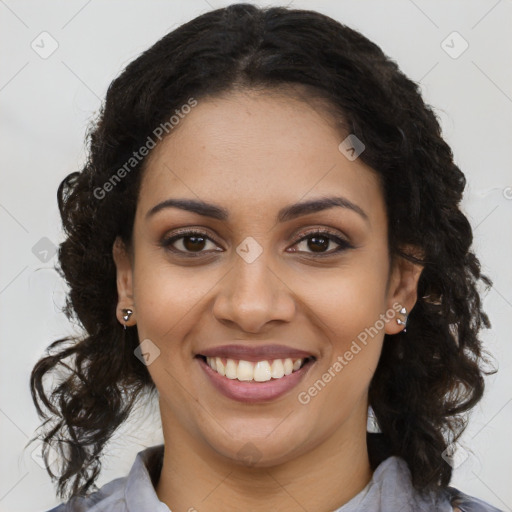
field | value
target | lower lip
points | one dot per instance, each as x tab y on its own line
252	392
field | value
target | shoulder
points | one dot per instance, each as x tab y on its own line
462	502
393	479
110	497
133	492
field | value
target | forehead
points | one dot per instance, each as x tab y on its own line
254	149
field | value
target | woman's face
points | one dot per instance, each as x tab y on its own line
258	284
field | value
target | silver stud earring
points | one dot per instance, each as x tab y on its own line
399	321
372	424
127	313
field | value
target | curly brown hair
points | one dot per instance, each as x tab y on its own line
426	380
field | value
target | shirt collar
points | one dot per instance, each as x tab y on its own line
140	494
390	483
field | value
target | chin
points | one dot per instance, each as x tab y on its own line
261	447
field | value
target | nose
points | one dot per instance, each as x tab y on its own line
252	295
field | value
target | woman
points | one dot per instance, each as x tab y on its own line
267	234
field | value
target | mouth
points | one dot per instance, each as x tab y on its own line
256	381
255	371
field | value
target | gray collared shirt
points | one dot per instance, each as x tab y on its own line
389	490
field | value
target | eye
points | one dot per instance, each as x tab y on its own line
318	241
187	242
194	243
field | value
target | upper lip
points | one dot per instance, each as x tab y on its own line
255	352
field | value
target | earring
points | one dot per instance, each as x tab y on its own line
372	424
399	321
127	313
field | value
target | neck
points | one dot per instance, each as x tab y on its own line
195	477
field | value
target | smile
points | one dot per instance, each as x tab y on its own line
254	381
259	371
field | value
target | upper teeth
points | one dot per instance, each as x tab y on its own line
260	371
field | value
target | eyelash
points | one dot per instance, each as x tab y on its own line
167	242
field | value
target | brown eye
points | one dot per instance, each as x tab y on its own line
319	241
187	242
194	243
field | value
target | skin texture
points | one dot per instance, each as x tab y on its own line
253	154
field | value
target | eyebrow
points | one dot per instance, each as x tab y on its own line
285	214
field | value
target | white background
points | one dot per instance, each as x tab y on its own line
46	105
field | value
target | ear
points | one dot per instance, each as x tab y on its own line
123	262
403	288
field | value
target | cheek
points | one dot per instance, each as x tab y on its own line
346	301
347	311
167	300
166	296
